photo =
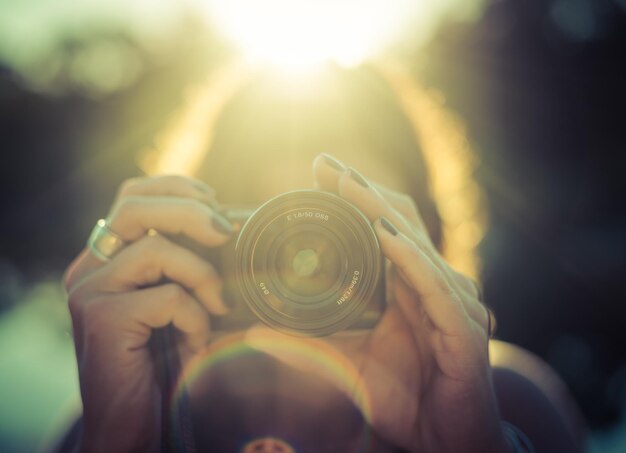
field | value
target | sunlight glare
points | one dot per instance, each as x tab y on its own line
296	34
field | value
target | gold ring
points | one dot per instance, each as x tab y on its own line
103	242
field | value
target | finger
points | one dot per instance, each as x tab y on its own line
326	172
375	203
152	308
358	190
354	187
403	203
152	259
134	216
439	300
82	265
166	185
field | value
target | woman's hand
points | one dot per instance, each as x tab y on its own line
116	305
426	364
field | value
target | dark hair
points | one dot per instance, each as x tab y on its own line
265	123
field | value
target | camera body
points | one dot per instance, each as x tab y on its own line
306	262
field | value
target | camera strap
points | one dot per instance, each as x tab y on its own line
176	427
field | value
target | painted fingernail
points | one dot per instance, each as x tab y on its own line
358	177
387	225
221	224
333	163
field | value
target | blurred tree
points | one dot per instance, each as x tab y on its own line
543	88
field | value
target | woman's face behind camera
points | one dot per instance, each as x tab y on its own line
254	397
267	136
264	145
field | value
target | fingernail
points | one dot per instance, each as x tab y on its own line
358	177
387	225
221	224
334	163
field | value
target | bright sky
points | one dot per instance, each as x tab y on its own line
287	32
298	32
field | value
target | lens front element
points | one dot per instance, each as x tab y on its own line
305	263
308	262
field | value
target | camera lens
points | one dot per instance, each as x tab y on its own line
308	262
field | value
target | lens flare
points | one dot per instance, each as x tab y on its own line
309	356
297	34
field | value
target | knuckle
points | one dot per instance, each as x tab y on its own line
192	215
410	256
154	244
207	276
468	284
196	209
403	203
123	211
423	239
177	181
126	206
210	278
152	250
96	308
442	284
445	287
98	317
176	293
87	309
76	304
408	203
128	186
427	250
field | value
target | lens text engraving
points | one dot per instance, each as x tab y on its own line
264	289
346	295
307	215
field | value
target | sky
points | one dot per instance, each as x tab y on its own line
347	31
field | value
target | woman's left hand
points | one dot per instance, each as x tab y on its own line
425	366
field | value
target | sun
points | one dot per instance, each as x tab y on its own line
296	34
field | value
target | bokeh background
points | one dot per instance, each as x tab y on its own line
540	85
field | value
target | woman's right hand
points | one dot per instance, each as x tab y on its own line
115	305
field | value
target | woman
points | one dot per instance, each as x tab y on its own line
421	378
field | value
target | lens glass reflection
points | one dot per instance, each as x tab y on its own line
308	264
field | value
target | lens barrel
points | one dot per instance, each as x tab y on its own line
308	263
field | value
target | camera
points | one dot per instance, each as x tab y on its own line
306	262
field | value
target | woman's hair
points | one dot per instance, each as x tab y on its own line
242	127
351	114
